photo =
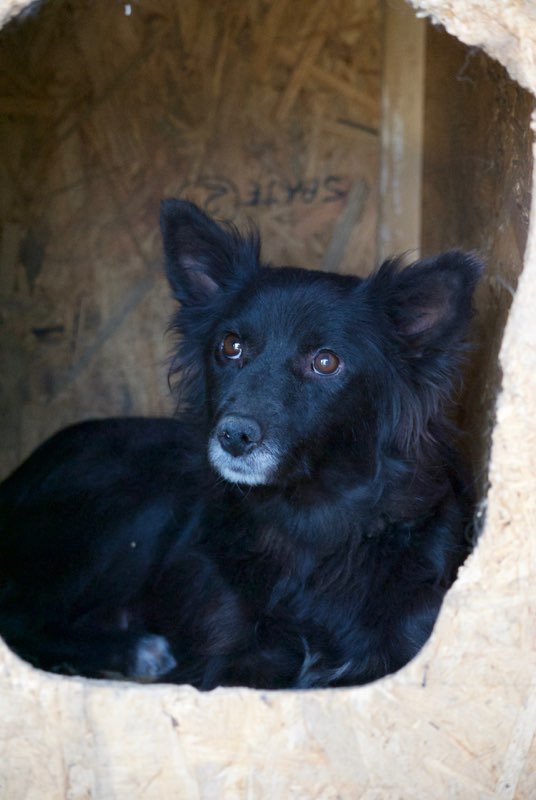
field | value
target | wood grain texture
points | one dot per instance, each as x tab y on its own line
401	141
258	111
459	722
477	182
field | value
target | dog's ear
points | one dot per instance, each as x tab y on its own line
202	256
429	303
427	308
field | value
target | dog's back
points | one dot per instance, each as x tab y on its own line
298	526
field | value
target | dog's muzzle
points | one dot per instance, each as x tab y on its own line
238	435
240	452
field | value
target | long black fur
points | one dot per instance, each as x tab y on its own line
292	527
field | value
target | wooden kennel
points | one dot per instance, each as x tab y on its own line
348	129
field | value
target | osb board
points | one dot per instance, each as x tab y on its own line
459	722
503	28
9	8
477	178
268	110
401	134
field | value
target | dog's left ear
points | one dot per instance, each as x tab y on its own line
429	303
201	255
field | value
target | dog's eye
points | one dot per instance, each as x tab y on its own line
326	363
231	347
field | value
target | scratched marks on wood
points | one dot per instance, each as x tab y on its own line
259	111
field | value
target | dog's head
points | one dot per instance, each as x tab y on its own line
304	374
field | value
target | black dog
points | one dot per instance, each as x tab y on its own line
297	525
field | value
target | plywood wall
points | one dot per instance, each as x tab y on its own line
262	110
477	179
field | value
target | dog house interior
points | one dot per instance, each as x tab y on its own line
348	131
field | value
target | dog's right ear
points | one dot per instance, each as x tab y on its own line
201	256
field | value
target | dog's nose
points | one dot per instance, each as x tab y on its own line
238	435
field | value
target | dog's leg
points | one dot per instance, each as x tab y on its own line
90	651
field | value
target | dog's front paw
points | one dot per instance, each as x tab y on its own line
151	658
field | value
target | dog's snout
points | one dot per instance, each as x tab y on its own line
238	435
